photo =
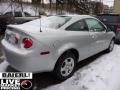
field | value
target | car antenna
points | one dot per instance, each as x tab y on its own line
40	21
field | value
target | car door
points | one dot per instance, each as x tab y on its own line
98	34
81	38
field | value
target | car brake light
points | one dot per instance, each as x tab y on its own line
27	43
118	26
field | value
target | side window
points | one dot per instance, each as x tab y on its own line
78	26
18	14
95	25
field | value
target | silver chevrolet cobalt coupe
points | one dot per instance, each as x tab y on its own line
55	43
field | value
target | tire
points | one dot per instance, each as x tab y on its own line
65	66
111	46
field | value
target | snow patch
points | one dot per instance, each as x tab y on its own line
3	66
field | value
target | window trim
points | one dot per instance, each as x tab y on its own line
87	29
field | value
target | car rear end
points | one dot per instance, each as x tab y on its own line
25	53
112	21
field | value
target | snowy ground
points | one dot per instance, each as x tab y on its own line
5	7
101	74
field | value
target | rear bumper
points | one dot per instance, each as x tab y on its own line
28	61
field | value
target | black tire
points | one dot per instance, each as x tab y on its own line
111	46
61	63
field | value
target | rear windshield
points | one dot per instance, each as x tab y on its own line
109	19
54	22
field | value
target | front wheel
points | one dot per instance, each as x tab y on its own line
65	66
111	46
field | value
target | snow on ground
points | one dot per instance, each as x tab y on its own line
5	7
3	66
102	74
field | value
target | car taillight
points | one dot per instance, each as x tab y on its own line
118	26
27	42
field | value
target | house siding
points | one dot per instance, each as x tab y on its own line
116	8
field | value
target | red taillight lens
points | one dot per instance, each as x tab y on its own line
118	26
27	43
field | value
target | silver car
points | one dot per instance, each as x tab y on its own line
56	43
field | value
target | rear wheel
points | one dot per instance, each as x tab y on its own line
111	46
65	66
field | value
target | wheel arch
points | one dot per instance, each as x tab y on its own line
70	50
